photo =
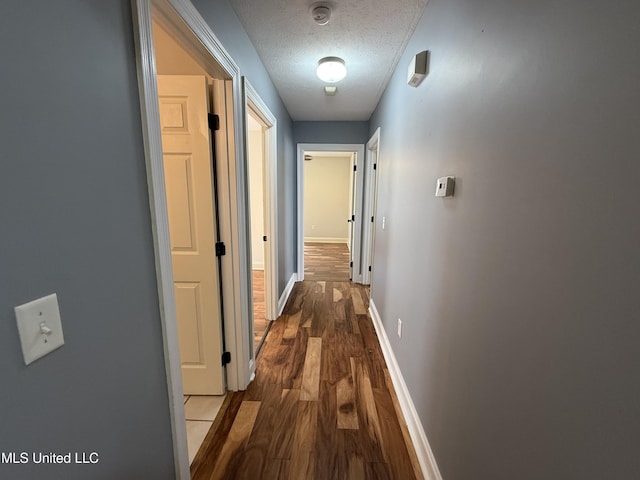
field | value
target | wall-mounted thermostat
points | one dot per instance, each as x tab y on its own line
418	68
444	186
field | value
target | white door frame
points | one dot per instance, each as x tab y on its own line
198	39
254	104
370	202
357	240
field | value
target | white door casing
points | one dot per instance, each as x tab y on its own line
181	19
356	249
372	170
254	104
353	188
186	145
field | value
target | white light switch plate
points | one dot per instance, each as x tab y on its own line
40	327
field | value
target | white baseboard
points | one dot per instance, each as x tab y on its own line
416	431
257	266
282	301
326	240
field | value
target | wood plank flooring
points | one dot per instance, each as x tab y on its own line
260	322
321	406
326	261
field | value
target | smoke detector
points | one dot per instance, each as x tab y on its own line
321	13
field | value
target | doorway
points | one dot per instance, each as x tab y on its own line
348	230
372	171
261	149
187	94
255	167
183	23
328	206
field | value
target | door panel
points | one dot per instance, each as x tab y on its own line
190	202
190	325
180	202
354	248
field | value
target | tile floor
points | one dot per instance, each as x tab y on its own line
200	412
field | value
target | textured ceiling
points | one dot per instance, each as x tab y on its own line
369	35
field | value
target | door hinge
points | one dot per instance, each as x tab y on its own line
264	238
375	166
371	219
369	267
353	218
355	168
226	358
214	121
220	249
351	265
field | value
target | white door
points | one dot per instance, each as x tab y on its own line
355	221
370	206
186	145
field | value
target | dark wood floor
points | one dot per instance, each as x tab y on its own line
321	406
322	261
326	261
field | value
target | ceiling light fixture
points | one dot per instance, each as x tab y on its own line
331	69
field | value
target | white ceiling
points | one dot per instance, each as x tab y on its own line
370	35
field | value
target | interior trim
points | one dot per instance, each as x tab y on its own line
199	38
417	433
356	249
286	293
369	204
257	106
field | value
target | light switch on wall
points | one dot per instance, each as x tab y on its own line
40	327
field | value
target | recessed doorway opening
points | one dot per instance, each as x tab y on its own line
330	211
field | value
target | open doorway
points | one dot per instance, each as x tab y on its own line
261	149
187	94
328	206
330	176
255	163
183	24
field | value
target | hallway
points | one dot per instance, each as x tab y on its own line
321	406
326	261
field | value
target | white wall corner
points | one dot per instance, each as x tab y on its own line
416	431
285	294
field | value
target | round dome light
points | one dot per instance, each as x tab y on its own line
331	69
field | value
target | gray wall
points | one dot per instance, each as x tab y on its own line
75	220
226	26
519	295
330	132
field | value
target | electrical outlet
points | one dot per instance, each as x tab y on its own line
399	328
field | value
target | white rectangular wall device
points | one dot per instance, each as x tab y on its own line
418	68
445	186
40	327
